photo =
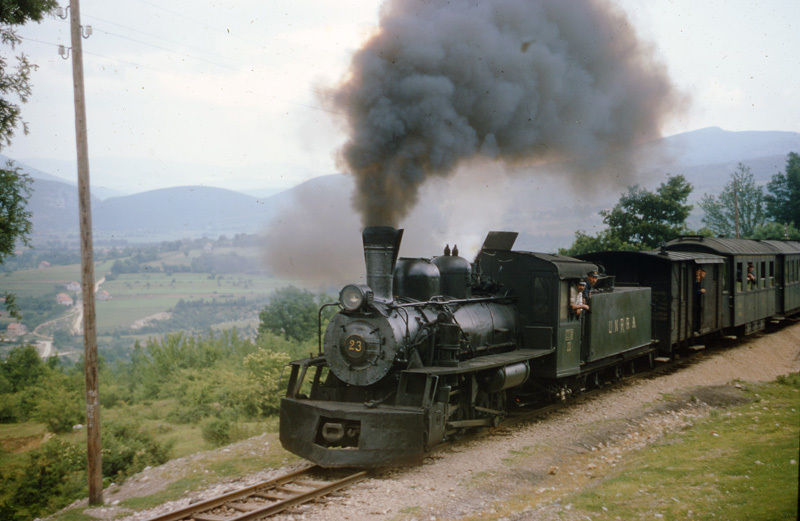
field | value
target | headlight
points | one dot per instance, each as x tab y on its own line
353	296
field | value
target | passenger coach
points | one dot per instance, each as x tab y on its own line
747	301
787	268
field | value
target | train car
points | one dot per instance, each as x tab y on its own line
685	305
787	274
749	282
431	347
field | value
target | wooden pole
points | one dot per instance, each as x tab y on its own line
94	463
736	205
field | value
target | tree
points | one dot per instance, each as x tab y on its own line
15	219
641	219
646	219
778	231
16	83
783	193
15	88
291	313
603	241
741	199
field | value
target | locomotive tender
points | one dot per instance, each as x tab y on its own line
429	348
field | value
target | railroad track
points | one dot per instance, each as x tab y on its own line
263	499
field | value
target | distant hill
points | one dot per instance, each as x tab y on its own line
543	208
183	211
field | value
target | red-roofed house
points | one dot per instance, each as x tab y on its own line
64	299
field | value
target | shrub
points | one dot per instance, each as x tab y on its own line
127	449
50	478
217	432
265	368
58	404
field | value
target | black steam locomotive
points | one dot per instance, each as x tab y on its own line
431	347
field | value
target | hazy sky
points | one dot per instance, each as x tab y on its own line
224	93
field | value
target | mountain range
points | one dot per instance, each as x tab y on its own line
544	208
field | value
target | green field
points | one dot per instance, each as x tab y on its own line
38	282
136	296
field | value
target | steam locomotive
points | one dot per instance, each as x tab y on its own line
429	348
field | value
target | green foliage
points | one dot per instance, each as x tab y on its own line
49	478
603	241
291	313
189	315
740	194
15	218
54	475
18	12
645	219
641	219
265	368
157	363
59	403
16	83
217	432
220	376
127	449
15	186
777	231
783	197
22	368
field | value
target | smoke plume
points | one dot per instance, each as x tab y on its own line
519	81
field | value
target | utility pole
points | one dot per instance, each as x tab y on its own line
736	204
94	463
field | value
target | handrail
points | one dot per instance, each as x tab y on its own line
319	325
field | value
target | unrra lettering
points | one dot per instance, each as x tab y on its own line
621	324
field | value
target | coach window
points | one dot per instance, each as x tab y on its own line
738	277
771	274
726	284
763	275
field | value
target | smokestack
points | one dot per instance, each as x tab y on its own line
381	246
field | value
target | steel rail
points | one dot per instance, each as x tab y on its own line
261	490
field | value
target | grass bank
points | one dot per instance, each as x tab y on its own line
738	463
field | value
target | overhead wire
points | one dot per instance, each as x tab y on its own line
156	36
156	46
169	50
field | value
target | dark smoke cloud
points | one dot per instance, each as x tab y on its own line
515	80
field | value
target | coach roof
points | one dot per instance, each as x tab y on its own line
720	245
784	246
